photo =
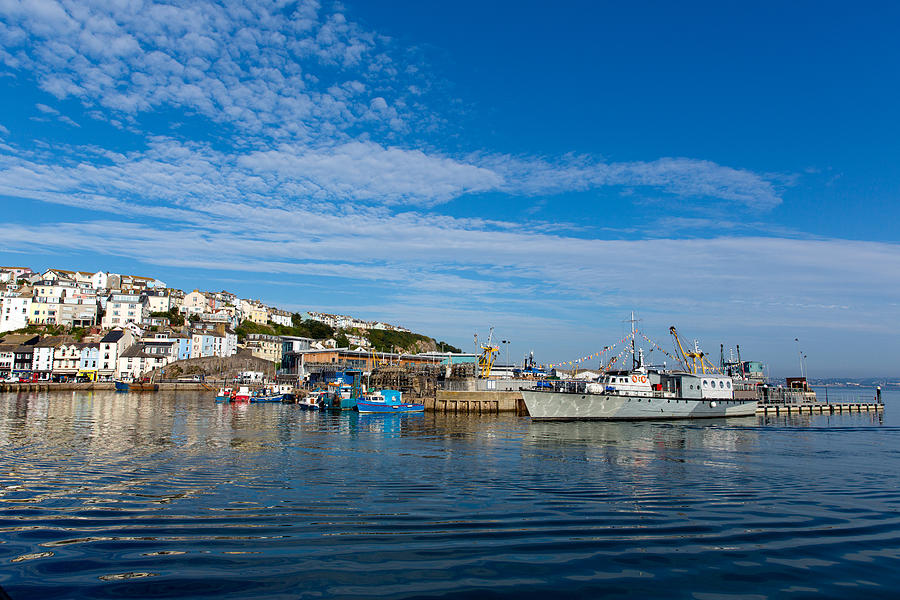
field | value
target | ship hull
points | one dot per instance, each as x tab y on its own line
562	406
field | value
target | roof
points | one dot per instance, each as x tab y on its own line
53	341
113	336
133	351
18	339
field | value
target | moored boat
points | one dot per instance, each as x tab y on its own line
387	401
700	390
313	400
242	394
265	396
639	394
136	386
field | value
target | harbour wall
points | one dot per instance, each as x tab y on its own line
95	386
488	402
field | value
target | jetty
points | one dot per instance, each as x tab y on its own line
818	408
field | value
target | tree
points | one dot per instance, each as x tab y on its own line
445	347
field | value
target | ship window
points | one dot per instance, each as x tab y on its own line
721	384
705	383
728	384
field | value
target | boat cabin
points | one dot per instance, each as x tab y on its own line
701	385
632	383
647	383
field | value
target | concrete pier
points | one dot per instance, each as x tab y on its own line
476	402
818	408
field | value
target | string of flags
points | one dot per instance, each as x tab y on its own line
578	361
658	347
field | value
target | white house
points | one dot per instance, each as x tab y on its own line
280	317
158	300
66	358
124	308
195	303
14	311
8	274
141	358
58	274
54	288
42	359
112	344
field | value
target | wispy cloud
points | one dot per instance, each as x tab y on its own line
332	95
680	176
526	270
355	171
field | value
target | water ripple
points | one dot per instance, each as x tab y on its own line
172	496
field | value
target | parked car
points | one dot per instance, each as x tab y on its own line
10	379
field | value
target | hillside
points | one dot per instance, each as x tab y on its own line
380	339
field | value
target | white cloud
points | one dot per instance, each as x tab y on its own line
306	77
46	109
367	171
680	176
182	173
244	63
468	264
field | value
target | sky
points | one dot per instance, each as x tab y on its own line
541	168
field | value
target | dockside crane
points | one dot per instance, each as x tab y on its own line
694	361
488	355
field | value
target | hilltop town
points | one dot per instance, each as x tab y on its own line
67	325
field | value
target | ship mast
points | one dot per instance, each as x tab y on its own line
634	355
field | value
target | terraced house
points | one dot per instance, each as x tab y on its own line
125	308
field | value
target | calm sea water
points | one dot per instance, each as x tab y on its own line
106	495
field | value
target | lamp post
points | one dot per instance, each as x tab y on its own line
800	354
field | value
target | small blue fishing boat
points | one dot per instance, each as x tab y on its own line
267	398
271	393
387	401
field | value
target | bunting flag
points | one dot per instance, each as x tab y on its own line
578	361
658	347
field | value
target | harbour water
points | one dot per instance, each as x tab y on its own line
168	495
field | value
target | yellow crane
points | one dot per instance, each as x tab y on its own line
694	361
488	355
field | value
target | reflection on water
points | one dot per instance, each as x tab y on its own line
171	495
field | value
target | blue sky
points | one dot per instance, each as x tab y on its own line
544	169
